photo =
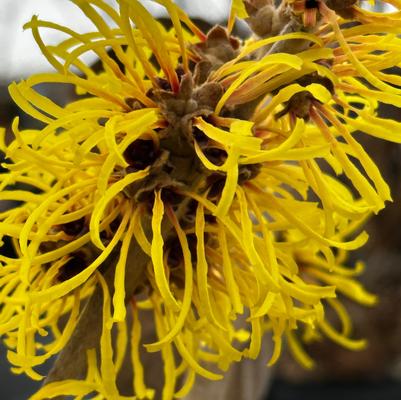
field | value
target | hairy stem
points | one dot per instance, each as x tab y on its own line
71	363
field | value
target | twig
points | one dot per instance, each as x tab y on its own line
71	363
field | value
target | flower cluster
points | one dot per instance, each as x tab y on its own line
213	183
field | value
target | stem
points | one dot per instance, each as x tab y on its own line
291	46
71	363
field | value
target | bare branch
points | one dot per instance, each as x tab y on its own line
72	361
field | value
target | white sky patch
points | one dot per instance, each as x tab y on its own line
378	6
19	53
21	57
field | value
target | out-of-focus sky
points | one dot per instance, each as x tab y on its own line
19	54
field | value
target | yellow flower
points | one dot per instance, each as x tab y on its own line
199	178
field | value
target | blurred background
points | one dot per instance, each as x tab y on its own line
373	374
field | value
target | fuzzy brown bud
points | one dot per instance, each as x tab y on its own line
218	48
264	18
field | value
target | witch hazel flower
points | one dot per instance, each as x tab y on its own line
206	185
